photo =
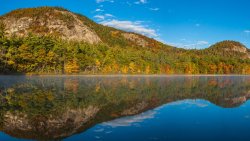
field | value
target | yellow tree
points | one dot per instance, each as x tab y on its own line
168	69
212	69
132	67
107	69
147	70
115	67
246	69
188	69
72	67
124	69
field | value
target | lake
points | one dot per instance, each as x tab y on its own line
135	108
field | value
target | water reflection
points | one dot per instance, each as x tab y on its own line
130	120
58	107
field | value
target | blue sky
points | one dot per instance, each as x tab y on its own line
183	23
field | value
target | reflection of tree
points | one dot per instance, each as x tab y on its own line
71	85
63	104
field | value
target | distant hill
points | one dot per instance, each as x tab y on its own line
231	49
52	40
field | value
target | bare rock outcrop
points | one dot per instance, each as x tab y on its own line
63	24
136	39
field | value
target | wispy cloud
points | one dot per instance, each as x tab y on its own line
109	15
154	9
141	2
247	31
99	17
131	26
127	25
99	10
102	17
202	43
100	1
190	45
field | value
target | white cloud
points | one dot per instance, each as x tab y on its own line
202	43
154	9
100	1
247	31
190	45
109	15
99	10
99	17
131	26
103	17
141	2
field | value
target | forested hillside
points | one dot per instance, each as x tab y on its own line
46	46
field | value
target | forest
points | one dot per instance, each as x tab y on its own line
47	54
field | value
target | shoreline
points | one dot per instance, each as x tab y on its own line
123	75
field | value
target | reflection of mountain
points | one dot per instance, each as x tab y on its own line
58	107
47	127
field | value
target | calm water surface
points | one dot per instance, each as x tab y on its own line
135	108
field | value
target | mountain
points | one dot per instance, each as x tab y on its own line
49	21
231	48
62	23
52	40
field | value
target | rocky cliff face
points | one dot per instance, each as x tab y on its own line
136	39
237	49
231	48
54	22
240	49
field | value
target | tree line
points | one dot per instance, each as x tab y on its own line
51	55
